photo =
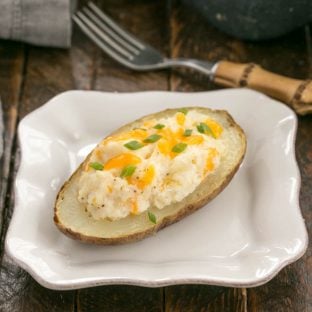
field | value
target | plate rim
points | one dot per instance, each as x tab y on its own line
158	282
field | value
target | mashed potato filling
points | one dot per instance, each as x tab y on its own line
154	165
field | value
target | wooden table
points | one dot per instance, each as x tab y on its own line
29	76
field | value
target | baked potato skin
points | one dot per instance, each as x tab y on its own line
187	209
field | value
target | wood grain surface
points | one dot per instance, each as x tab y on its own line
29	76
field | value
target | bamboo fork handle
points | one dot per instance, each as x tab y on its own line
296	93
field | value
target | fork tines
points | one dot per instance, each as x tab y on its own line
114	40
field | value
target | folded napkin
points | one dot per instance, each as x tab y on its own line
1	131
40	22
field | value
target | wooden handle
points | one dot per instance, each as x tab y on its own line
296	93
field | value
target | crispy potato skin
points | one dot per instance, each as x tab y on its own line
189	207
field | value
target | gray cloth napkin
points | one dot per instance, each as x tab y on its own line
40	22
1	131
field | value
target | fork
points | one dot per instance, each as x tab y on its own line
137	55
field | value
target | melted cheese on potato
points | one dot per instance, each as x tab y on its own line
153	166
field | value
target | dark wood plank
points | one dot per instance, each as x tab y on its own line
11	73
48	72
11	68
51	71
189	298
146	19
120	299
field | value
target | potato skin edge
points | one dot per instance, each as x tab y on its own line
185	211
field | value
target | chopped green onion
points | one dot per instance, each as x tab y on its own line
152	138
183	110
159	126
179	148
188	132
203	128
96	166
152	217
127	171
133	145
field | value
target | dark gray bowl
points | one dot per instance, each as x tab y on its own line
254	19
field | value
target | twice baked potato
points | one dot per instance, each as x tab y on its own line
149	174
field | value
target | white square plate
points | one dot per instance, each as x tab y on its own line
242	238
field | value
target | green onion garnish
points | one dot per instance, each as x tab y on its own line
152	138
133	145
203	128
188	132
96	166
127	171
179	148
152	217
159	126
183	110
